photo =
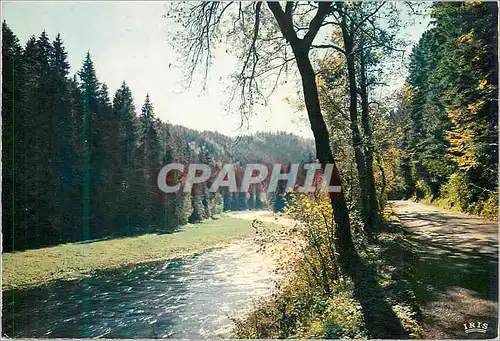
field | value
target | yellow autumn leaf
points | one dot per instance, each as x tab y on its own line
474	106
482	84
465	38
473	3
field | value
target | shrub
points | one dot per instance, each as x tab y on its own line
457	193
489	209
300	312
317	230
422	190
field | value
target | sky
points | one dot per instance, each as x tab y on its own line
128	42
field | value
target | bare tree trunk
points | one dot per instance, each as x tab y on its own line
343	237
373	214
356	135
383	182
300	47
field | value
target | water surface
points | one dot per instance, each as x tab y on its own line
192	297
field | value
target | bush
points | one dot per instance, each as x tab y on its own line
300	312
317	230
488	209
343	318
422	190
457	193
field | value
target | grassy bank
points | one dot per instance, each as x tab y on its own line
69	261
486	210
458	195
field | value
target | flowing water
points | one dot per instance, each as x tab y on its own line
193	297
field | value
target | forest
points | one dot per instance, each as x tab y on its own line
67	137
449	144
81	163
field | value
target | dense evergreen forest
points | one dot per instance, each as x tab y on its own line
447	112
80	164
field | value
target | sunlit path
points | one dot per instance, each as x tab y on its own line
457	269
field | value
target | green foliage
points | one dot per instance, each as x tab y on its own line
216	205
489	209
185	208
422	190
259	204
299	312
449	150
317	229
457	192
343	319
251	200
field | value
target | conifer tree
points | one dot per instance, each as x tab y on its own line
13	153
63	154
89	87
124	115
148	165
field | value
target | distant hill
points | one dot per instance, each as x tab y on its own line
276	147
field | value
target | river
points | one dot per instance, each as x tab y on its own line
193	297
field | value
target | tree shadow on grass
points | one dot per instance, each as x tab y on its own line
380	319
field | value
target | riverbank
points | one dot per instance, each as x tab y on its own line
376	301
72	261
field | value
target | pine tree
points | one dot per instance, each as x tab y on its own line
63	151
126	179
227	205
89	87
104	154
13	153
207	198
251	198
148	164
235	204
453	82
39	100
169	218
242	201
259	204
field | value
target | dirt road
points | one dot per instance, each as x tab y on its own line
455	270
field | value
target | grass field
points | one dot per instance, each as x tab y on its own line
69	261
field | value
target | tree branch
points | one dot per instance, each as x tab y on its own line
358	25
329	46
285	22
252	50
324	9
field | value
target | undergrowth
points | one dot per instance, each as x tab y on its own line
460	195
303	309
